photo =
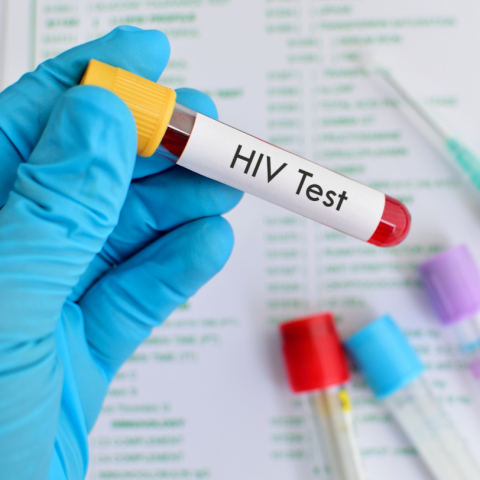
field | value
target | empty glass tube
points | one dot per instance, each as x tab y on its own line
317	368
452	281
218	151
394	372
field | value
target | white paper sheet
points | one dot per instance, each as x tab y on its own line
17	39
206	396
3	15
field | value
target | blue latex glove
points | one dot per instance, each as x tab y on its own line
71	211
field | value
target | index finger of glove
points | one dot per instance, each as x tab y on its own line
26	105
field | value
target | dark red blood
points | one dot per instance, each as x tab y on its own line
175	141
394	224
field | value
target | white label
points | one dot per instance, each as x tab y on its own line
235	158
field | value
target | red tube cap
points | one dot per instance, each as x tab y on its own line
313	353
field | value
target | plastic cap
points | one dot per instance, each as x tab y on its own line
452	281
151	104
384	356
313	353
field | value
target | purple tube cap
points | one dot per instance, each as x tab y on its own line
452	281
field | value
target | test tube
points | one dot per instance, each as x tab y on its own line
317	367
394	372
452	282
218	151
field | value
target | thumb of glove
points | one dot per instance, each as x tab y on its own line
64	204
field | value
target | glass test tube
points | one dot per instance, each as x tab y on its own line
452	281
317	368
394	372
220	152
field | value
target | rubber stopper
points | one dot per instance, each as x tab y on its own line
384	356
151	104
313	353
452	281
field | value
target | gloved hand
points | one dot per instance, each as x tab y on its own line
70	212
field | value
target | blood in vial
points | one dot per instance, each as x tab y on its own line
393	226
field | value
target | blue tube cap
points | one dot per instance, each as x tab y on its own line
384	356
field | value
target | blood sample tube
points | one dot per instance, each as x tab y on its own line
452	281
394	372
218	151
317	368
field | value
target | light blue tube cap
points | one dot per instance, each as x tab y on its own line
384	356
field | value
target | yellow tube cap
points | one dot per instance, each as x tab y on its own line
151	104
